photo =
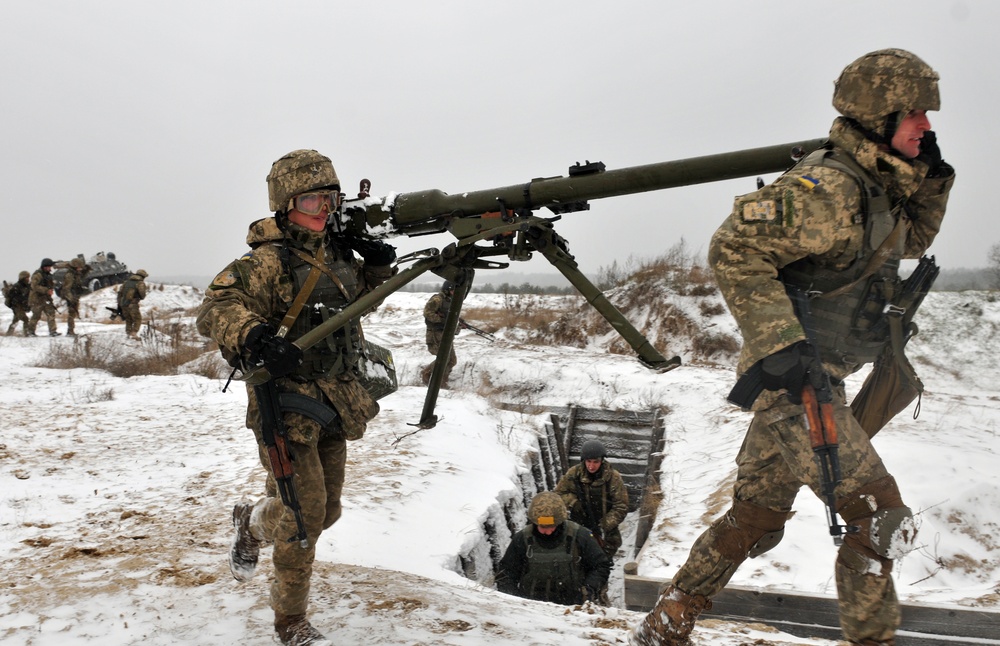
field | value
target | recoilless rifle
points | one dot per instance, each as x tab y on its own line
471	328
502	222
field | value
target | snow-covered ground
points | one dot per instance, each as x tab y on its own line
115	493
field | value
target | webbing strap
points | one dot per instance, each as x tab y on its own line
303	295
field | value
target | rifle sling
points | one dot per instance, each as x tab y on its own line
303	295
879	258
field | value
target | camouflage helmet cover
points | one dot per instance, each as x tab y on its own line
142	272
76	263
23	275
547	508
297	172
883	82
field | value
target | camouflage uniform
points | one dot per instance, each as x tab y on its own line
16	299
130	294
72	288
812	219
435	314
40	300
259	288
605	497
567	566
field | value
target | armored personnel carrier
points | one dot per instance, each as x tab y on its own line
105	270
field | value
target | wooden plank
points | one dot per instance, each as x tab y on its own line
568	437
559	442
632	418
812	616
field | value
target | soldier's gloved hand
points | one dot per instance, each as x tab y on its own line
278	355
374	252
790	368
930	154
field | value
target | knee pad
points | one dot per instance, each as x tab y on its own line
886	526
748	530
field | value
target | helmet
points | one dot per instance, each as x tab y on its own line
297	172
882	83
46	262
76	263
142	272
547	508
592	450
447	287
23	275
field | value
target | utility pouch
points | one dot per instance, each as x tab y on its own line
887	391
376	370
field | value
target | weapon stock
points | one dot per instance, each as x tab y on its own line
116	312
471	328
817	402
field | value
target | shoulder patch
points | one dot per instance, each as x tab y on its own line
247	256
760	211
809	182
226	278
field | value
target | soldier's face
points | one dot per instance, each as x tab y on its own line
592	465
911	130
312	222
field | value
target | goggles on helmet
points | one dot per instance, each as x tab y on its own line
312	203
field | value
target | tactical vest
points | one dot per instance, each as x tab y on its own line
339	352
553	573
850	327
128	292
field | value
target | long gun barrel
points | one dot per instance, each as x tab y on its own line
430	211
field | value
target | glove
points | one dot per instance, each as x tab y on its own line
790	369
374	252
930	154
278	355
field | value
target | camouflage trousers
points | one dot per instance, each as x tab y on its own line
72	313
776	459
433	345
20	315
318	481
46	309
133	319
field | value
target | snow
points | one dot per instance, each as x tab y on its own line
116	493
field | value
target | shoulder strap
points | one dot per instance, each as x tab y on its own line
303	295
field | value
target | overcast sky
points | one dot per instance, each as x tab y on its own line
151	125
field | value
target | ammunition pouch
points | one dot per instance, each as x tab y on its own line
376	370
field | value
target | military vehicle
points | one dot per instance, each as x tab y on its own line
105	270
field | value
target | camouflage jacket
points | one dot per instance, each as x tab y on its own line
436	311
817	217
604	494
16	295
73	285
42	284
258	288
132	291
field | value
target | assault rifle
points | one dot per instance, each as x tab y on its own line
483	333
504	221
817	402
588	512
116	313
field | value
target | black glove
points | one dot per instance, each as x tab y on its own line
278	355
930	154
791	368
375	252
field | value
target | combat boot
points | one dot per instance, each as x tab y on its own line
295	630
671	620
245	548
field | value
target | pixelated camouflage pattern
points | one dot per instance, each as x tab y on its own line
298	172
883	82
72	288
40	300
545	505
819	218
606	496
776	459
132	291
435	314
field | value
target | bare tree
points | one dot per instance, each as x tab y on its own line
993	257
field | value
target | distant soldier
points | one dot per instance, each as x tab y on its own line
72	288
552	558
435	314
16	298
132	291
595	495
40	298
